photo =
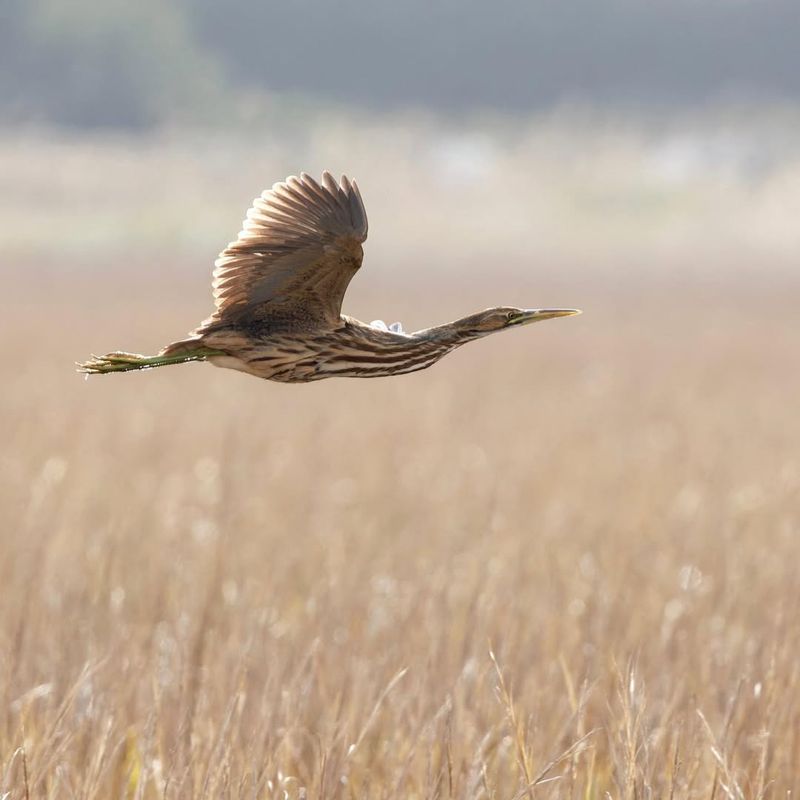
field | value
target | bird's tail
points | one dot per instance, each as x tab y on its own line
177	353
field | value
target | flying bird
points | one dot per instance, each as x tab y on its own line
278	291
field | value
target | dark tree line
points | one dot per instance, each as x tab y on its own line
123	64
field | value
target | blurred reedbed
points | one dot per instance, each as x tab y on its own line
560	565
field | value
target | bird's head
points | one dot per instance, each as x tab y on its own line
498	319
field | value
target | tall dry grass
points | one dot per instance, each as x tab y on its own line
562	563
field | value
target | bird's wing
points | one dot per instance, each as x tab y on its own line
299	247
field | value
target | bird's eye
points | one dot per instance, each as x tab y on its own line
510	315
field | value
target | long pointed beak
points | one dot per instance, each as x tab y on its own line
538	314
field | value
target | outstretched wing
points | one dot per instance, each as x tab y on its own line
293	260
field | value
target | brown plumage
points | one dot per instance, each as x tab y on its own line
278	291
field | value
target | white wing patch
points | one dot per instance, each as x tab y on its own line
380	325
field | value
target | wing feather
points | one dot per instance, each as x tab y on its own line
299	246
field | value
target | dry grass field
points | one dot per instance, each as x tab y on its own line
561	564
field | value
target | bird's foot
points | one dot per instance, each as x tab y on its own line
118	362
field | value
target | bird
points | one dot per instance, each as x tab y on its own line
278	290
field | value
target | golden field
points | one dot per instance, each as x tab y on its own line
563	563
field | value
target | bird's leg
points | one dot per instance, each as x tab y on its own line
124	362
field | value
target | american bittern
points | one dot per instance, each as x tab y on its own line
278	292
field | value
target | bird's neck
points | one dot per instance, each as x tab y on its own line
452	334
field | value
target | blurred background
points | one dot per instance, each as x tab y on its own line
602	131
214	582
